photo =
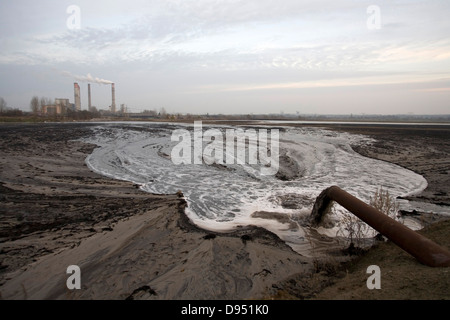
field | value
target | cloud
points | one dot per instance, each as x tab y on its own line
291	34
230	45
445	90
348	81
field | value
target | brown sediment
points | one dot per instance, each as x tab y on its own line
423	149
420	148
130	244
280	217
55	212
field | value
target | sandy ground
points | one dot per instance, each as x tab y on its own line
130	244
425	150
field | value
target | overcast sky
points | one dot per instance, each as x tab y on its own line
251	56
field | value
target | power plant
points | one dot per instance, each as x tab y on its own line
78	97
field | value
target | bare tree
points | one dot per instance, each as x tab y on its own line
3	105
43	102
34	105
46	101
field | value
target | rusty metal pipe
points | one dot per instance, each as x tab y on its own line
422	248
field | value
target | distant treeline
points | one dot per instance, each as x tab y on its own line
15	115
291	117
12	113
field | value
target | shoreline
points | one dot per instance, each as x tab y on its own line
183	262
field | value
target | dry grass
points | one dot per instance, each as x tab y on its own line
384	202
356	230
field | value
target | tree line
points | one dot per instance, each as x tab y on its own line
7	111
36	105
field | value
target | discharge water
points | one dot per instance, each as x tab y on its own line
223	197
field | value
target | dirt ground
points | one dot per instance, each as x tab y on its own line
402	277
425	150
54	208
129	244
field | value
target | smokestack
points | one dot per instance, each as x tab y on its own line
89	97
113	104
77	97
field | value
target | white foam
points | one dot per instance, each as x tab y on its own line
221	199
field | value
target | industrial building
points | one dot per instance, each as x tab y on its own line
77	97
90	106
64	103
89	97
113	93
59	107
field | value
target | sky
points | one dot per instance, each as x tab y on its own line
230	56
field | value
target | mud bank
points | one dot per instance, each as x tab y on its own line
56	213
130	244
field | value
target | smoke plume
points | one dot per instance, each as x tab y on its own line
87	78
